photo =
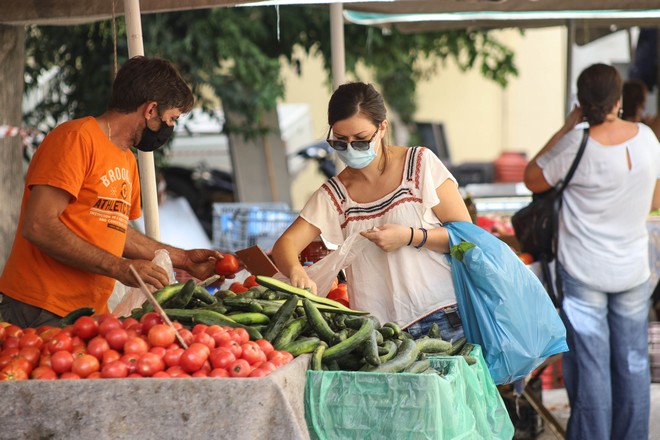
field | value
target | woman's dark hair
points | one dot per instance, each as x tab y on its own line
634	98
143	79
599	88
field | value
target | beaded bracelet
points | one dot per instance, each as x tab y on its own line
412	233
419	246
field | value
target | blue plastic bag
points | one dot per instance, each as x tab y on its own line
503	305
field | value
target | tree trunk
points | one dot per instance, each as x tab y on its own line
12	63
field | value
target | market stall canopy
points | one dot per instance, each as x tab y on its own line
591	18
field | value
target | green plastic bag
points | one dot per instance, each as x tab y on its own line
462	404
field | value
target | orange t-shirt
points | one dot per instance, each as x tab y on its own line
103	180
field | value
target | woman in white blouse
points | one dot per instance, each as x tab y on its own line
396	197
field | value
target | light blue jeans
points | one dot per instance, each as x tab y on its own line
448	332
606	370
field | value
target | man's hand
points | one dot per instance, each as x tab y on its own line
199	263
149	272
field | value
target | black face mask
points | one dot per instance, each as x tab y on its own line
153	140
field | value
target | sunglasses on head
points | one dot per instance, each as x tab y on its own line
356	145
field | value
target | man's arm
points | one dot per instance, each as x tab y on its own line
43	228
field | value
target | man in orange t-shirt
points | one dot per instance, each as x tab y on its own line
82	188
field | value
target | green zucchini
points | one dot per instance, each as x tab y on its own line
222	294
274	284
163	295
405	355
370	349
203	295
242	303
280	318
302	346
351	343
391	349
471	360
318	322
289	333
432	345
71	317
387	332
394	326
467	349
434	331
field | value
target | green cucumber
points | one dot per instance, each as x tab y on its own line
302	346
274	284
222	294
418	366
432	345
290	333
466	350
203	295
405	355
317	356
318	322
457	345
250	318
394	326
71	317
182	298
242	303
434	331
351	343
387	332
163	295
370	349
280	318
391	349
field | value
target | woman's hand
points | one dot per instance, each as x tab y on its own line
388	237
299	278
573	119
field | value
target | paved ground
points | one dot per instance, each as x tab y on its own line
556	402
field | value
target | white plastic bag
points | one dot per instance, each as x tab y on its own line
132	297
324	271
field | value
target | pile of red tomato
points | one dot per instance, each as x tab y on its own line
106	347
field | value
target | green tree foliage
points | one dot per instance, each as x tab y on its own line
234	54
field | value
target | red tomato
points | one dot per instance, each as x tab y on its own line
109	324
148	364
4	360
240	368
43	373
204	338
44	360
252	353
148	320
200	373
130	359
234	347
97	346
161	335
162	374
32	354
60	341
221	336
340	294
172	356
259	372
12	342
136	345
85	365
526	258
219	372
250	281
78	351
116	338
199	328
48	334
186	335
240	335
95	375
114	369
14	331
9	373
193	358
127	322
22	363
3	334
268	366
86	328
226	266
238	287
175	370
279	357
213	328
30	340
221	357
109	356
69	376
61	361
265	346
160	351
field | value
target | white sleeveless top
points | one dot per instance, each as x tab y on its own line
402	286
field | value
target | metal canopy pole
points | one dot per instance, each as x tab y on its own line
570	42
149	193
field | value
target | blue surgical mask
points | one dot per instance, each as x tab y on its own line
358	159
